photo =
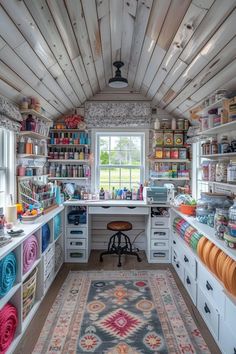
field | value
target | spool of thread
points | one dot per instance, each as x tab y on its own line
11	213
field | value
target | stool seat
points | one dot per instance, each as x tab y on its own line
119	226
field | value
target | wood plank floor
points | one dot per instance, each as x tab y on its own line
29	340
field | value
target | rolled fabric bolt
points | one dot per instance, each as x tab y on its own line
30	251
11	213
8	269
8	324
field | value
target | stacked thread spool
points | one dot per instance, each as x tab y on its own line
223	266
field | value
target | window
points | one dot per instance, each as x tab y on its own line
7	161
119	160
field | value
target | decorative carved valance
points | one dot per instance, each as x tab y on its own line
9	124
9	109
117	114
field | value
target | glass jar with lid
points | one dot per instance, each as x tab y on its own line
221	171
231	172
205	170
224	145
180	124
221	222
213	146
212	171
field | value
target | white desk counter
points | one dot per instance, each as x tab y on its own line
115	203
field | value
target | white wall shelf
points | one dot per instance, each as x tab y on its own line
36	114
31	156
208	232
69	161
216	104
69	130
219	156
68	178
33	135
67	145
170	160
170	178
223	128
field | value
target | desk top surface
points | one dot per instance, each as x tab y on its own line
115	203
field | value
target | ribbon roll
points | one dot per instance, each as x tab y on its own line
30	251
8	269
8	324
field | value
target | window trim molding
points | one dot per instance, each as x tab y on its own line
95	133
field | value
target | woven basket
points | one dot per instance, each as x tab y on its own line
29	290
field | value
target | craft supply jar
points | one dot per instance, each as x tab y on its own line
224	145
174	154
212	171
159	153
221	222
232	212
214	147
180	124
231	172
183	154
205	170
221	171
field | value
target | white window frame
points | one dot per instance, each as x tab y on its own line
7	166
144	134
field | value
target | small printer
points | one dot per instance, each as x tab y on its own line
159	194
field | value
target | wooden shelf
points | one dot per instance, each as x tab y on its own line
32	156
170	160
69	161
35	113
223	128
224	184
68	130
170	178
67	145
216	104
33	135
22	178
67	178
169	130
221	156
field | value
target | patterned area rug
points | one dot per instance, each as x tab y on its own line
125	312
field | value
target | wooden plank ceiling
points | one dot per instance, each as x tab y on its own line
176	52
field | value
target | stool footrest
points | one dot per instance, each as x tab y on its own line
115	247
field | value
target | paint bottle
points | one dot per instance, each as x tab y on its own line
21	146
29	147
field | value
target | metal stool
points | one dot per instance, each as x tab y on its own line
116	240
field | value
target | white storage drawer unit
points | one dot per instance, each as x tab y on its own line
161	256
160	244
117	210
160	222
189	261
190	285
76	256
79	231
211	287
160	233
76	243
209	312
227	338
177	265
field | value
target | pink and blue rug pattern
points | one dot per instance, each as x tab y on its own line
126	312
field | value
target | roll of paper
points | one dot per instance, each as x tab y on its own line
11	213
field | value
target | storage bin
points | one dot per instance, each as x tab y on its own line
29	290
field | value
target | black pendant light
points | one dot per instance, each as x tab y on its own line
118	81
